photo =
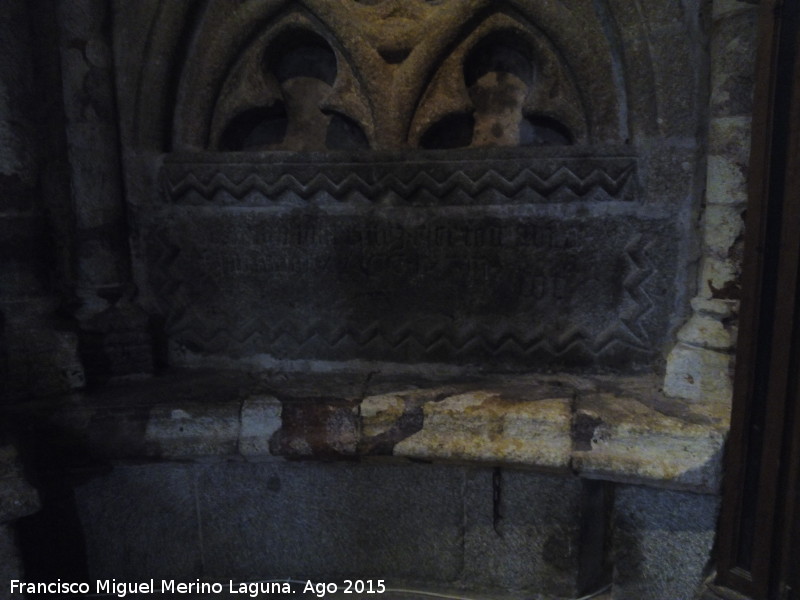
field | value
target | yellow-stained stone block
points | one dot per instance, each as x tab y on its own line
485	427
634	442
699	374
380	413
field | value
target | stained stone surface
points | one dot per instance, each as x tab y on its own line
643	438
510	186
700	366
483	426
734	55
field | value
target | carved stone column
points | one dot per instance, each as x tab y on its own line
114	331
38	349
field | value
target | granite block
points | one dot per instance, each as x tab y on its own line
662	543
322	520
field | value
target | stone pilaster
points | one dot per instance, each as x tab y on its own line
700	365
115	338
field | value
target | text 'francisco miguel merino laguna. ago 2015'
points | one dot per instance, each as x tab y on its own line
171	586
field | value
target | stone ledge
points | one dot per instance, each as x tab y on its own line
610	428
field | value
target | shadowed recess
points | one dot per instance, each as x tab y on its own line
540	130
301	53
255	128
345	134
452	131
501	52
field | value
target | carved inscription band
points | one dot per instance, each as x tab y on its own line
411	287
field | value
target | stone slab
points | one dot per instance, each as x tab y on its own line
524	532
260	419
505	289
624	438
728	161
332	520
193	430
482	426
607	428
662	542
700	374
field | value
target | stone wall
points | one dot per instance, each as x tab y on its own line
427	527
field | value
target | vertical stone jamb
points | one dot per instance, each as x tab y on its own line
699	366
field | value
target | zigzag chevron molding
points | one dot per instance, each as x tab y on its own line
498	180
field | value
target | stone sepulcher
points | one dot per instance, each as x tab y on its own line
447	251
